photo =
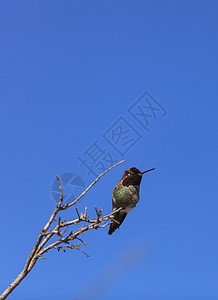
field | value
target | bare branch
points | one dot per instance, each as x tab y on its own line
95	224
62	242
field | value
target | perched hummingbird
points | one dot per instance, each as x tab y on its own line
125	195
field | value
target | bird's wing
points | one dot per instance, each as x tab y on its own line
117	220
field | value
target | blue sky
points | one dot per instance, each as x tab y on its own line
69	72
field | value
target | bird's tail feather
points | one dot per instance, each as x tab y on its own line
118	220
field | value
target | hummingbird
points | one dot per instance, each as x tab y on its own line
125	196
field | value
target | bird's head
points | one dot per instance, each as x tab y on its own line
133	176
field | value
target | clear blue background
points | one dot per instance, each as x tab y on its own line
68	71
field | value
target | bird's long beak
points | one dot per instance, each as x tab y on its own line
141	173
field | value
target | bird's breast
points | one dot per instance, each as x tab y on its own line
126	196
128	209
